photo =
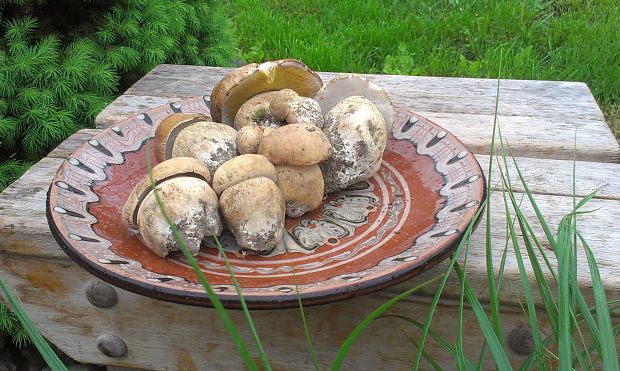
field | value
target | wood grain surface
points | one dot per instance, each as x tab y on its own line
164	336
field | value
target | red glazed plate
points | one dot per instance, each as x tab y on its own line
377	233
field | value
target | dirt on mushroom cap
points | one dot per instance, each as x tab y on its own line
356	130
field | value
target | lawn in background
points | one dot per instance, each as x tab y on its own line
545	40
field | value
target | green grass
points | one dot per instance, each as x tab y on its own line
545	40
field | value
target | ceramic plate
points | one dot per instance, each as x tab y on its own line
377	233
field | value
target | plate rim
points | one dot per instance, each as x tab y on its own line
266	301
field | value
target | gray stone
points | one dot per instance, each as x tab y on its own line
521	340
101	294
111	345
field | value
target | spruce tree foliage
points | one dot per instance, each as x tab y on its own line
62	61
11	330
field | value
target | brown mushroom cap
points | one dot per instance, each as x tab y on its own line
222	88
296	144
210	142
357	132
268	76
241	168
302	188
166	132
338	89
256	112
178	166
249	138
253	211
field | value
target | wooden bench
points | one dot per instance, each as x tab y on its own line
540	120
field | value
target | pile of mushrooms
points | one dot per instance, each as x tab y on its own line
276	142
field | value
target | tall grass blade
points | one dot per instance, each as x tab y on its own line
315	361
490	268
530	359
531	309
443	342
427	356
591	348
259	346
480	362
50	357
460	355
537	211
565	330
217	304
607	349
495	346
541	281
431	311
346	345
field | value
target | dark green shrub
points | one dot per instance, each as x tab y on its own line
62	61
11	330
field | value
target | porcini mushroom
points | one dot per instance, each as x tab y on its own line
339	88
174	122
183	188
222	88
210	142
247	81
302	188
253	211
256	112
241	168
356	129
288	107
296	144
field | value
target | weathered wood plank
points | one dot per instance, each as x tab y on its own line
440	94
594	140
161	335
555	177
463	106
23	226
543	176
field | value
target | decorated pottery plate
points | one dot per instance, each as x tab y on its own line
377	233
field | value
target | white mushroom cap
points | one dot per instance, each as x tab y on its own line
193	209
210	142
182	185
343	87
253	211
256	112
304	110
357	132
